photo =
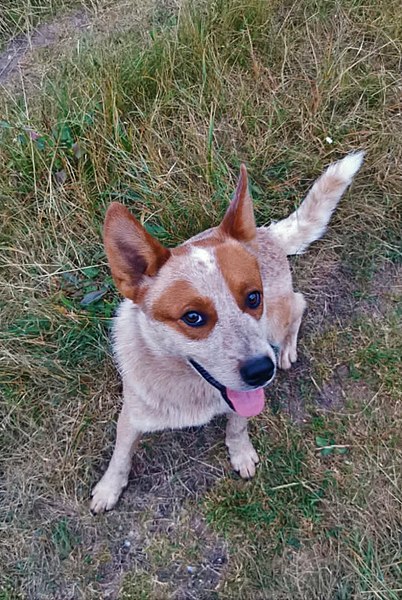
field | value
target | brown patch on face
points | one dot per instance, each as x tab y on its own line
242	274
212	240
180	298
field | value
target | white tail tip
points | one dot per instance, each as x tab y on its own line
348	166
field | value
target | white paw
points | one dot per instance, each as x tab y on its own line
106	493
244	461
287	356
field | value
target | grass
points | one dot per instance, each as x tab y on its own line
160	121
323	512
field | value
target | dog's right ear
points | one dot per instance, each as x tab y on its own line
132	252
239	221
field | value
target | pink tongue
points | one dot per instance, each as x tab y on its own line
247	404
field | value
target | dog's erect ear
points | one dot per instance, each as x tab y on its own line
132	252
239	221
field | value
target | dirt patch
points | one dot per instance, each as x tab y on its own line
335	299
329	288
156	534
174	466
288	391
200	578
22	57
19	52
335	295
332	394
341	390
384	291
152	534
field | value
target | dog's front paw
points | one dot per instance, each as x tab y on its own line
244	461
287	356
106	493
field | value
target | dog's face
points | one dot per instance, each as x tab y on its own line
203	301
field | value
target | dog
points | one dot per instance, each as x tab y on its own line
204	326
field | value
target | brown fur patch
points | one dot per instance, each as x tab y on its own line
242	274
209	242
212	240
280	316
179	298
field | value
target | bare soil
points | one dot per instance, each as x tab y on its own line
22	58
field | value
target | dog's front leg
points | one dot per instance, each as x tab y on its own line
242	454
106	493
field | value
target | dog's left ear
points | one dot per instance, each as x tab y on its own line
132	252
239	221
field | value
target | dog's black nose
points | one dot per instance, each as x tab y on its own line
257	371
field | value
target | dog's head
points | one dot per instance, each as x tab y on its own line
202	301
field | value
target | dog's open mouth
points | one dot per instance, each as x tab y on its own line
246	404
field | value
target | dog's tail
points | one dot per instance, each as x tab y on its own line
309	222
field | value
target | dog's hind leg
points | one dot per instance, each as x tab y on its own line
288	348
242	454
108	490
284	319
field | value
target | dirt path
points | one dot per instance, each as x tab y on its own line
20	52
23	57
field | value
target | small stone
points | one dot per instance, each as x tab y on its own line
60	177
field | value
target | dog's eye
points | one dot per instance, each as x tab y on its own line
253	299
194	319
